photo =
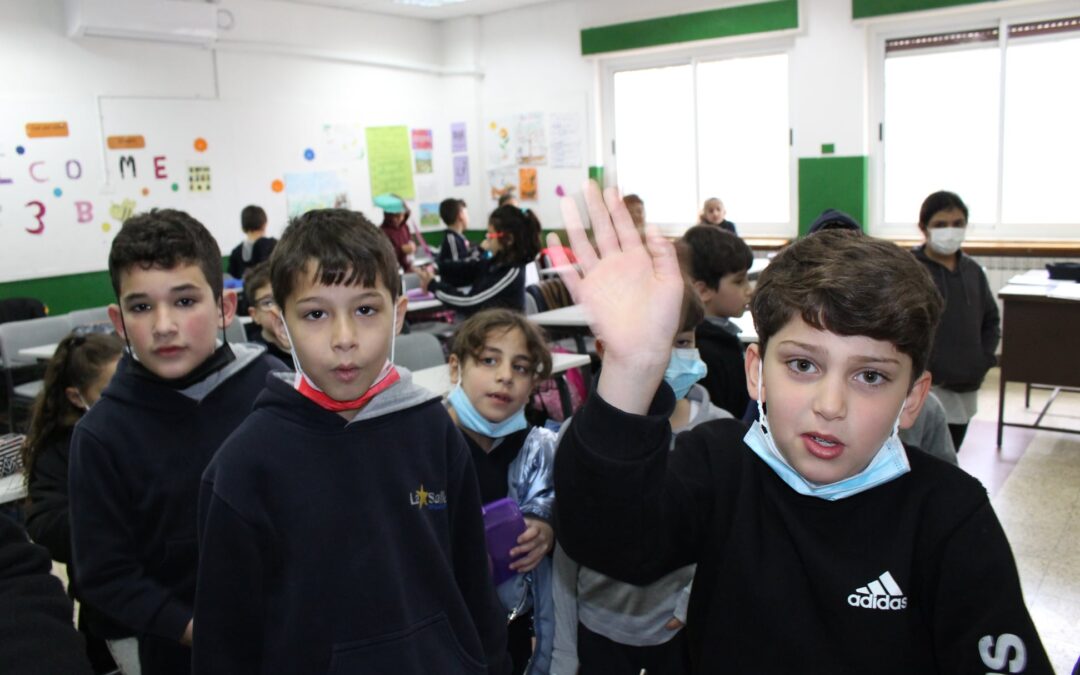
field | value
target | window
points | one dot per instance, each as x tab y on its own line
719	128
987	113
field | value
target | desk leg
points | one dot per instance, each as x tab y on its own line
1001	408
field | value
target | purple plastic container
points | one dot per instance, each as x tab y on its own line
503	524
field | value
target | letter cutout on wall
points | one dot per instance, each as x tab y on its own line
84	211
39	216
159	167
129	161
71	172
33	172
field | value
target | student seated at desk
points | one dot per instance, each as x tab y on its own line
137	456
265	324
76	375
497	359
717	264
513	238
456	251
256	247
340	525
822	545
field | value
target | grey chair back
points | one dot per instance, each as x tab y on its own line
417	351
89	317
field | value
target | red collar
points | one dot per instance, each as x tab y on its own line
307	389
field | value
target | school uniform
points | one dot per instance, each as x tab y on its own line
717	339
329	546
457	259
137	457
724	224
399	236
248	254
271	348
912	576
495	285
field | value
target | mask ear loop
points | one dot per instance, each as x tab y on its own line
760	403
85	405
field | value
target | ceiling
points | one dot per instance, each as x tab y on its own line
448	11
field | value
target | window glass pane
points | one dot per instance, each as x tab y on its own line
941	131
1042	148
654	140
744	153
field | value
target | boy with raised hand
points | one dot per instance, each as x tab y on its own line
822	544
340	526
137	456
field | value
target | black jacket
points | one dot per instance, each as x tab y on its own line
494	285
970	327
334	547
136	461
725	380
912	576
260	251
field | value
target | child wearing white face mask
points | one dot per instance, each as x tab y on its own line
970	326
496	360
603	625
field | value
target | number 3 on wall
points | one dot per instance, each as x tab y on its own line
40	214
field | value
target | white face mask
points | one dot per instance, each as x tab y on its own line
947	240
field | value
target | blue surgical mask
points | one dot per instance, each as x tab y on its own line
684	368
889	463
471	419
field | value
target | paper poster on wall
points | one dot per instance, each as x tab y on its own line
429	215
315	190
343	142
566	149
458	141
530	139
390	161
198	179
423	161
499	144
461	170
421	139
527	180
503	181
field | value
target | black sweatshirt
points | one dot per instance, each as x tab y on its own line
37	636
334	547
725	380
137	458
495	285
913	576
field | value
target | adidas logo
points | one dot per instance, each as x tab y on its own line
881	593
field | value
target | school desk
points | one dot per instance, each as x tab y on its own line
437	378
12	488
1039	346
573	318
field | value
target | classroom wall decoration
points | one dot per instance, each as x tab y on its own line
389	161
315	190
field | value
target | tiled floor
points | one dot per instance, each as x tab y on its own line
1035	487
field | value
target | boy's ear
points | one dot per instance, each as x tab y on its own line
914	402
251	312
703	291
402	308
117	320
277	326
753	358
228	305
454	367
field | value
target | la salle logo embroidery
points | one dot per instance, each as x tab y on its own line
428	499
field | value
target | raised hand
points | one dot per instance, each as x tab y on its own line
631	292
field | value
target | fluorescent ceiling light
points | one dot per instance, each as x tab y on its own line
427	3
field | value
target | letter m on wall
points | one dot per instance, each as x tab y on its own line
127	162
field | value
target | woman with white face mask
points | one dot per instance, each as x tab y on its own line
970	326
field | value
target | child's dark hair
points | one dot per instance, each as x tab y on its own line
77	362
471	336
255	278
347	249
519	231
940	201
693	310
450	210
252	218
708	253
507	197
164	239
850	284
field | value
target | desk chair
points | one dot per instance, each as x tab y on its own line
416	351
235	332
17	335
89	317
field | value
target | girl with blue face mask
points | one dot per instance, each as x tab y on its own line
496	361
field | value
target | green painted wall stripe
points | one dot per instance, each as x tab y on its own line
861	9
715	23
832	183
63	294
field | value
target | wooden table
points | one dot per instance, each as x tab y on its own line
1039	342
437	378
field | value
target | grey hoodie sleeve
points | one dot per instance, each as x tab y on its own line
991	323
564	659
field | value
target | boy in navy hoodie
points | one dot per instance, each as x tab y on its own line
138	454
340	526
822	544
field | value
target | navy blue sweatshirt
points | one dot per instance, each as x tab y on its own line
334	547
136	461
495	285
725	380
912	576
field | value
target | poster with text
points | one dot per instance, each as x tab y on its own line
567	144
461	170
421	139
390	161
458	141
503	181
527	180
315	190
530	140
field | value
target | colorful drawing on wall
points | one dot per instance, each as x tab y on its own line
461	170
503	181
429	215
458	141
530	140
527	179
423	161
499	144
315	190
46	129
343	142
421	139
567	144
123	210
132	142
198	179
390	161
